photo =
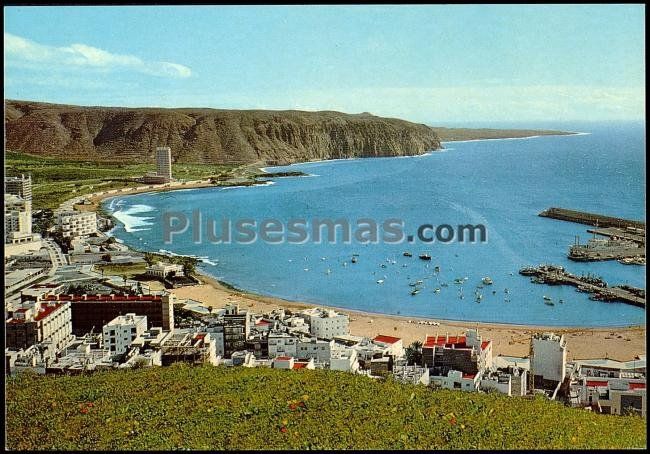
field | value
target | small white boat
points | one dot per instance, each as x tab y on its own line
380	281
487	280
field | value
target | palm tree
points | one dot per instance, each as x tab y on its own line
414	353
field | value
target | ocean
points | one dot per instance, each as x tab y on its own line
501	184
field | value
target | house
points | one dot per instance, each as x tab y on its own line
39	322
548	360
393	345
161	270
288	362
282	344
119	333
455	379
318	349
326	323
468	354
415	375
344	359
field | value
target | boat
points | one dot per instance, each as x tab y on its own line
547	298
436	269
561	301
407	254
380	281
444	284
354	259
328	271
418	282
425	256
487	280
549	303
415	291
436	290
412	284
459	280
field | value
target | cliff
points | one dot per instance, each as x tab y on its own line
208	135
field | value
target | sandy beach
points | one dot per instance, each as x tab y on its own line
620	343
615	343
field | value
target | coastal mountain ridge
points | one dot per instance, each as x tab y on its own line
208	136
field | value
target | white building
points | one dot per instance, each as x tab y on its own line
18	215
39	323
20	186
318	349
76	224
548	357
288	362
161	270
457	380
344	359
164	162
326	323
497	381
393	345
414	375
119	333
282	344
610	395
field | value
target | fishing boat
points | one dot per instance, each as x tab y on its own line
380	281
354	259
487	280
415	292
547	298
549	303
459	280
436	290
561	301
407	254
425	256
436	269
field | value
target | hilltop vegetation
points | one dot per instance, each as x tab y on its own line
55	180
209	407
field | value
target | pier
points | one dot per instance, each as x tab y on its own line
598	220
556	275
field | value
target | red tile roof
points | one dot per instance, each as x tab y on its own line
456	341
104	298
299	365
470	376
634	386
283	358
484	344
596	383
40	315
386	339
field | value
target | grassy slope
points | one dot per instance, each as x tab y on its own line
220	408
56	180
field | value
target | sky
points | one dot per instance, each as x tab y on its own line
432	64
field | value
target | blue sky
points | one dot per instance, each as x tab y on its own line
431	64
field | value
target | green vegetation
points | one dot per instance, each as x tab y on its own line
56	180
121	269
240	408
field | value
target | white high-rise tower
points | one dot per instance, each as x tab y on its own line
164	162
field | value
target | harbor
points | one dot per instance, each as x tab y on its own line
598	220
599	290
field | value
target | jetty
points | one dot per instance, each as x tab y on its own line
557	275
598	220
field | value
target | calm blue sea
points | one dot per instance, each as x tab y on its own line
502	184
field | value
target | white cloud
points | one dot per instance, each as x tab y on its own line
24	52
